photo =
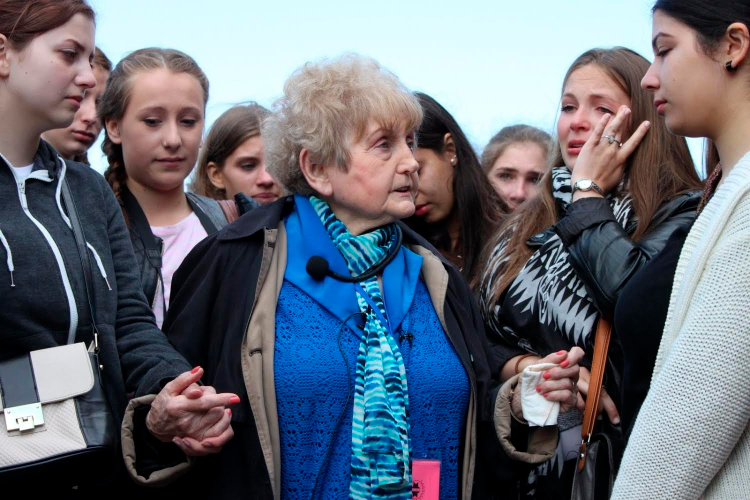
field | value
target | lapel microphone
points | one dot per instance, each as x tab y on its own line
318	267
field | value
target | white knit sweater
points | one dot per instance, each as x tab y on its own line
691	437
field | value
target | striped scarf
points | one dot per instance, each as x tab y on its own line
380	425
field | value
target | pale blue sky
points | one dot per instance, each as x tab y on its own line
490	63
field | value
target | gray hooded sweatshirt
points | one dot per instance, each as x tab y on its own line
42	286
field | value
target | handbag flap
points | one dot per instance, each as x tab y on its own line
61	372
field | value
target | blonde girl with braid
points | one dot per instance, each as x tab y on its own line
153	113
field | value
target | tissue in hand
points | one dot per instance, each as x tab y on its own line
537	411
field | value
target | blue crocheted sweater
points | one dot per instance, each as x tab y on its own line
314	367
312	385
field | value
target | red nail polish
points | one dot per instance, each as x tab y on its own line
545	395
234	400
195	370
229	412
539	388
560	353
546	375
564	364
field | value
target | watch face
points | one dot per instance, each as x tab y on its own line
584	184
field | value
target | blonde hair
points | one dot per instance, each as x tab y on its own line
228	132
514	134
326	105
114	101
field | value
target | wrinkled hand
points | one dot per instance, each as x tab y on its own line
603	161
192	417
605	401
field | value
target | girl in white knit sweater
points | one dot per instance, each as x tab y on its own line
691	437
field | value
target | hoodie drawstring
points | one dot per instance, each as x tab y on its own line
9	260
58	197
99	264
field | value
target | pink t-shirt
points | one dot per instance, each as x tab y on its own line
178	241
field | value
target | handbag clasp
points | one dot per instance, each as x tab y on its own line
24	418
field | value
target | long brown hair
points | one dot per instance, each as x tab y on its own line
660	168
114	101
22	21
229	131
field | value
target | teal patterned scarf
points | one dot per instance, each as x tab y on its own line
380	424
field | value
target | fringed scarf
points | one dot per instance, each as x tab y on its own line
380	424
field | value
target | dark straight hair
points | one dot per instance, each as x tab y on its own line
710	21
476	204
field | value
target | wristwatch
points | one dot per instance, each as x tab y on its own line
586	185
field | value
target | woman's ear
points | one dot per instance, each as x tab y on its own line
316	174
449	149
4	59
214	175
738	43
112	127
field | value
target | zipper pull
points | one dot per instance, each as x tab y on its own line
22	190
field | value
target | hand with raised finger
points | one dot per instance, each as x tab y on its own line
603	157
560	383
173	414
605	401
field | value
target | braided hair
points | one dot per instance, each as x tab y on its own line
116	97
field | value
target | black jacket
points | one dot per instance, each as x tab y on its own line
213	295
603	254
149	248
605	258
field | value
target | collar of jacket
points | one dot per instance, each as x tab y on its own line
268	217
46	159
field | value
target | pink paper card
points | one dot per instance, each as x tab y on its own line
425	475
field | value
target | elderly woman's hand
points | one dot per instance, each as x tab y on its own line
192	417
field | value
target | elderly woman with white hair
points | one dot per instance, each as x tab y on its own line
358	350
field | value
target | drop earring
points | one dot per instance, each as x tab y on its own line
454	160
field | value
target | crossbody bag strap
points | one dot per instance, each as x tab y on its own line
83	253
229	207
138	218
203	217
601	347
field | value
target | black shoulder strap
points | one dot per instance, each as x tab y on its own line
83	253
138	218
203	217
